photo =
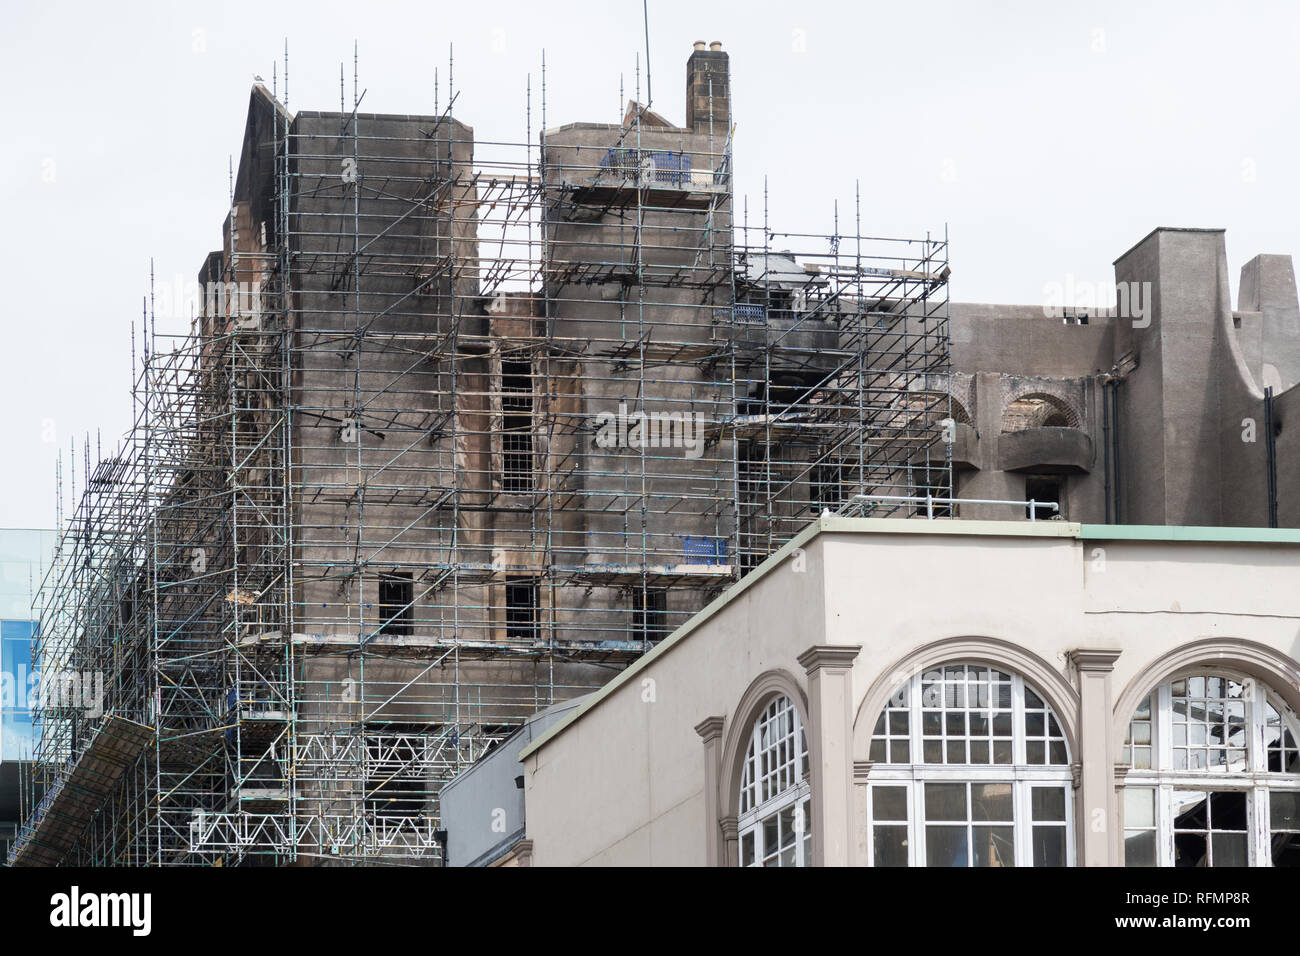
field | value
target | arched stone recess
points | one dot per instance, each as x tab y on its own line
769	684
1274	668
1039	408
1047	680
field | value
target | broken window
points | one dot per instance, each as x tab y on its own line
518	470
776	791
396	594
521	608
970	768
1231	733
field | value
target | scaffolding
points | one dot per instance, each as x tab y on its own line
462	428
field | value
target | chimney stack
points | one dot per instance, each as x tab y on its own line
708	71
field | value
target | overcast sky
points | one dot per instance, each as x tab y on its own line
1047	139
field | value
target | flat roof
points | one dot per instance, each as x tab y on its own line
917	526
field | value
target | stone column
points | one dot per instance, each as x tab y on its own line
710	731
1098	816
830	744
858	843
730	828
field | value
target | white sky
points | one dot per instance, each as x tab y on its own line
1048	140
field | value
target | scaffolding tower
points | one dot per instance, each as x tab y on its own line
461	429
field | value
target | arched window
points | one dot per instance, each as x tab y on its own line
774	791
1214	776
969	768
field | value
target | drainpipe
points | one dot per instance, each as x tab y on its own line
1110	423
1270	450
1105	438
1114	441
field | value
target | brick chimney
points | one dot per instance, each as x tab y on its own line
705	70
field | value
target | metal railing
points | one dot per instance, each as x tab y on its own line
860	505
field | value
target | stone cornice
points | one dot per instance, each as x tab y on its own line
836	656
710	728
1094	660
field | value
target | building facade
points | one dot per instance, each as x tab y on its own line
951	693
1170	408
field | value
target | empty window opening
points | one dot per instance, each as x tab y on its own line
521	608
518	473
826	485
396	594
650	613
1043	492
937	483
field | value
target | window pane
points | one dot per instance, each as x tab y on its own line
1229	849
1284	810
889	803
945	801
1140	848
747	849
771	836
991	801
1048	803
1139	807
1049	846
994	846
945	846
890	846
788	833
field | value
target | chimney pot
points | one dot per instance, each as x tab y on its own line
716	46
699	45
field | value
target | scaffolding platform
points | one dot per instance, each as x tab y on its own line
68	806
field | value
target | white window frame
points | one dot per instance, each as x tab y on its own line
1022	776
1255	781
752	821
